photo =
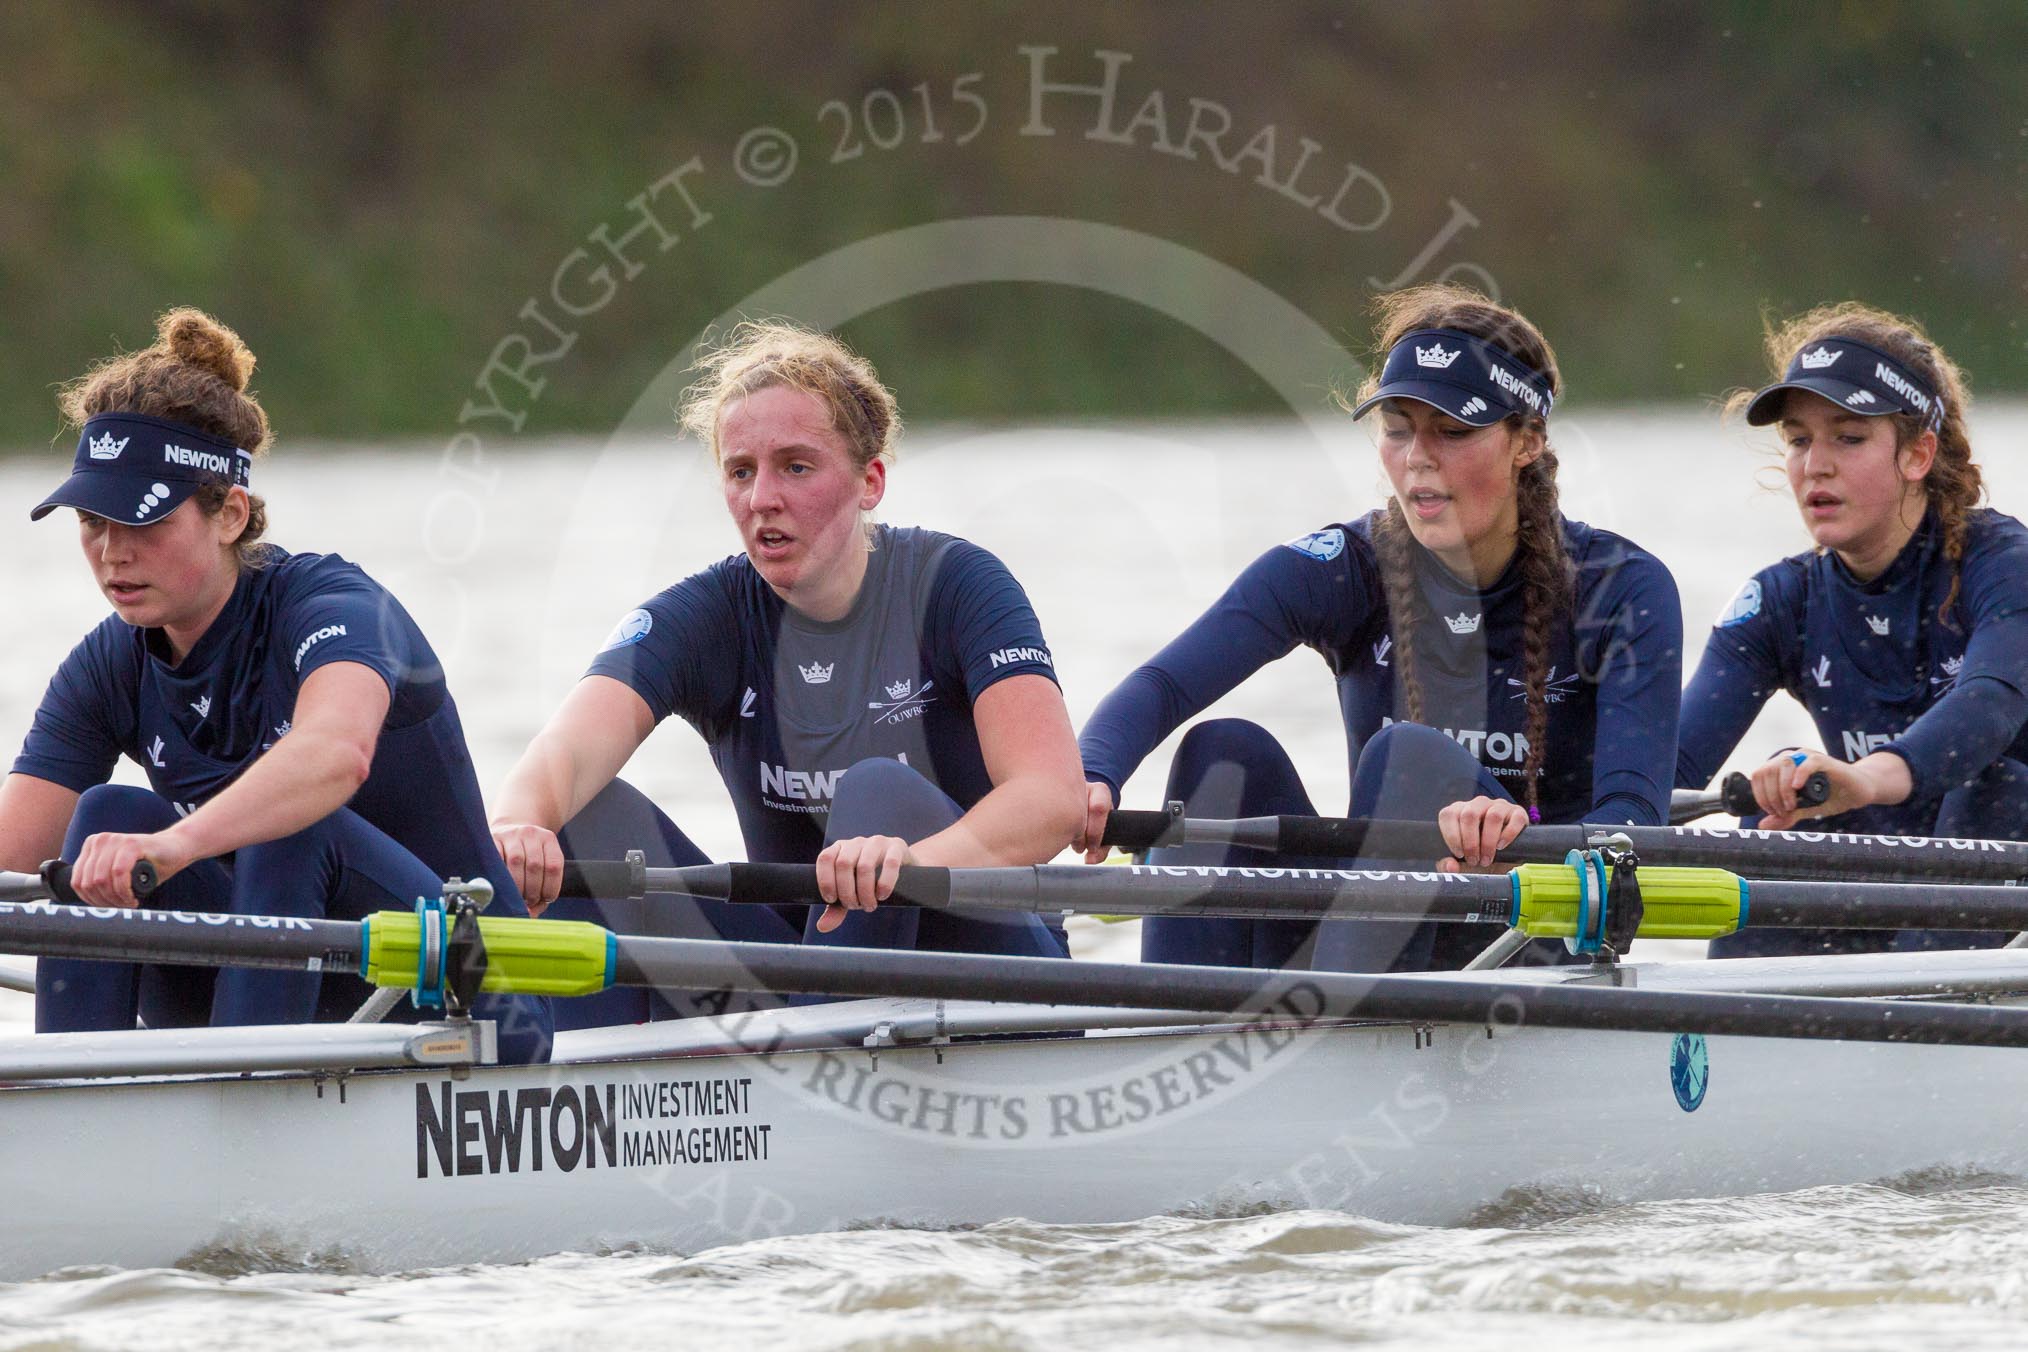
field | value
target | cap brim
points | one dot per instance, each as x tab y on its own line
1767	404
1439	395
116	497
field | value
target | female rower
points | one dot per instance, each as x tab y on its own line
1904	632
303	755
1545	649
873	695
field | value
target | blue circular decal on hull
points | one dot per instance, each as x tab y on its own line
1689	1069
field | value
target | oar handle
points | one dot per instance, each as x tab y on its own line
795	884
55	874
1737	793
606	879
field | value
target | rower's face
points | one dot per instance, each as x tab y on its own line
791	485
1852	482
160	575
1456	483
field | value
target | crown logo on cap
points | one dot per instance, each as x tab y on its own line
1437	355
1818	360
105	448
1462	623
900	689
815	674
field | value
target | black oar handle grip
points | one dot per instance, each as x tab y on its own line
1740	802
796	884
604	879
1134	831
56	877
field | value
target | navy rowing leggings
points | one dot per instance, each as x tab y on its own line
342	868
880	797
1992	807
1229	767
622	818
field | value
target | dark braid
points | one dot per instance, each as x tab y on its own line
1546	584
1546	604
1406	611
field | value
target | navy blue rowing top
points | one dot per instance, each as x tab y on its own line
195	725
1613	683
788	703
1875	666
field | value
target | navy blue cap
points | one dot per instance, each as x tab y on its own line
1466	377
1857	377
136	469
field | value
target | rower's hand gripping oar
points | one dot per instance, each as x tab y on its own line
55	876
1734	796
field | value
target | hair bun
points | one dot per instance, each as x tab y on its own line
194	337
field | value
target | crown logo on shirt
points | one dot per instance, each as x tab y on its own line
1437	355
1879	624
1462	623
1818	360
815	674
105	448
203	706
1953	665
900	689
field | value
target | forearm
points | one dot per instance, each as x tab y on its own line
34	813
1026	820
543	789
301	780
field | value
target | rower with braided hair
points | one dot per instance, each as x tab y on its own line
1496	663
1903	631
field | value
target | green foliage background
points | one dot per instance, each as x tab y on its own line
370	191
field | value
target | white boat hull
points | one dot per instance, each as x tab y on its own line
391	1170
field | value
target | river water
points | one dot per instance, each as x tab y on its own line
517	567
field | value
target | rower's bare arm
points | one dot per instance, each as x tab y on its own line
302	779
1038	800
599	725
34	814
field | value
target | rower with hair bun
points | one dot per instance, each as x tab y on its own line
1547	651
1904	631
303	753
873	695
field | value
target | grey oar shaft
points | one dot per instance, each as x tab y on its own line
1799	854
47	930
1273	893
1303	996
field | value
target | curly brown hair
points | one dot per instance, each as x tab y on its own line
1546	585
1953	487
195	373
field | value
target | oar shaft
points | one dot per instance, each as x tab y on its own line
1757	854
46	929
1140	890
786	969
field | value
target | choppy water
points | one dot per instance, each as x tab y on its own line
1121	534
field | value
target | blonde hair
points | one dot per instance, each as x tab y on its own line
758	354
1953	487
1546	586
195	373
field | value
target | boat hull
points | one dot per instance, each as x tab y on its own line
395	1170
